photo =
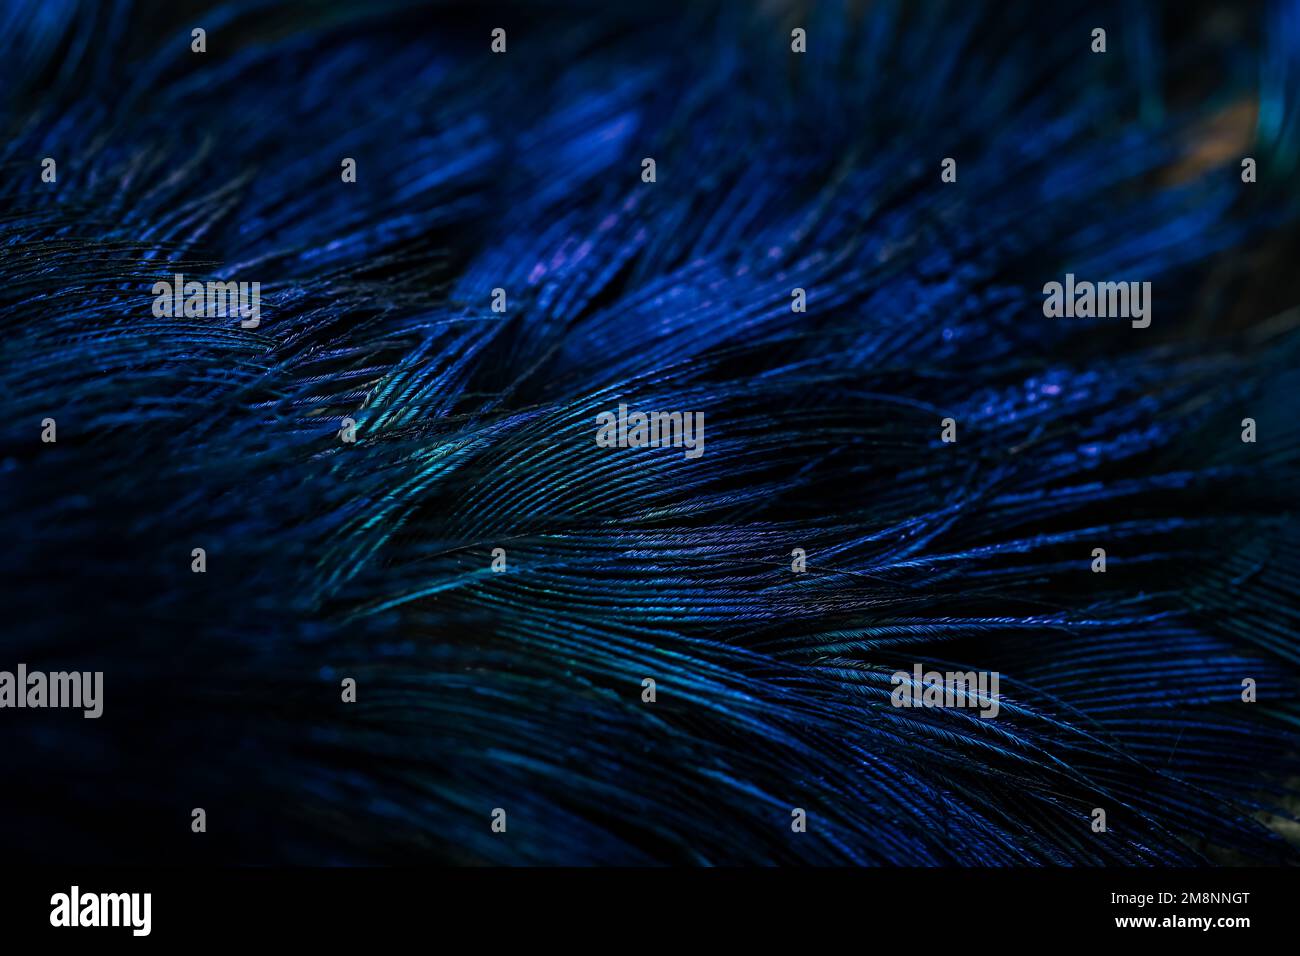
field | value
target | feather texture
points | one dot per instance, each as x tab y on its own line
522	690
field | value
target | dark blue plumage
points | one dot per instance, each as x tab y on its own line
522	689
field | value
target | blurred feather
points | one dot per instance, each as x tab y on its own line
475	430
